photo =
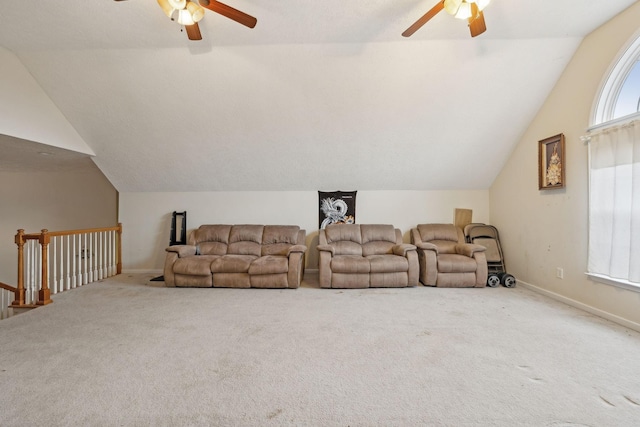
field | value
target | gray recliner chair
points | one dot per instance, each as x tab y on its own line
446	260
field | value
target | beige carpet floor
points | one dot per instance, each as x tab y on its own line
124	353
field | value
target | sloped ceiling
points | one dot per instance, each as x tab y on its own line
319	95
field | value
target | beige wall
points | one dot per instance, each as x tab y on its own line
545	230
64	200
146	217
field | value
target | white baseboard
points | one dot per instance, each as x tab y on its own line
582	306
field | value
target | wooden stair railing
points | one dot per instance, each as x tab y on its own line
5	291
78	257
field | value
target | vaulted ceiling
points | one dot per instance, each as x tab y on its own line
319	95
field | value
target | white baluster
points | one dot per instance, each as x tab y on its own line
74	255
96	257
111	257
99	257
65	277
92	259
37	258
87	254
28	286
85	278
34	270
54	263
38	284
107	253
48	267
59	277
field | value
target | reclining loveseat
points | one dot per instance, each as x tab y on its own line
366	256
238	256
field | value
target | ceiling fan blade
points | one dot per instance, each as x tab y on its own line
426	17
229	12
477	25
193	32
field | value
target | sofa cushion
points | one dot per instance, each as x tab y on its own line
269	265
347	248
450	263
278	239
377	239
212	248
377	248
445	246
378	232
245	240
388	263
210	233
343	232
280	234
232	264
197	265
429	232
350	264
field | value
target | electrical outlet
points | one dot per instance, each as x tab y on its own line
560	273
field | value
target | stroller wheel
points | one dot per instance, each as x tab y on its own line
493	280
509	281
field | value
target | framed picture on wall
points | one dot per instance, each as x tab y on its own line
551	163
336	207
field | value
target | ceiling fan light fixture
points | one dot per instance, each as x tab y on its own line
482	4
452	6
166	8
184	17
464	12
178	4
195	10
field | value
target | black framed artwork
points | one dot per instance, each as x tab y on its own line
336	207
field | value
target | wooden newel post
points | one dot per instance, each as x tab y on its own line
119	261
19	293
44	295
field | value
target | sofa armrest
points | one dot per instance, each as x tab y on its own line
427	246
297	248
327	248
468	249
183	250
415	237
296	269
403	249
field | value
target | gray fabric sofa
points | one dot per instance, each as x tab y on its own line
238	256
365	256
446	260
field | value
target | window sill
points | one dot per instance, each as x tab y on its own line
619	283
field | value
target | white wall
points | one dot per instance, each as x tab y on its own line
57	201
544	230
27	112
146	217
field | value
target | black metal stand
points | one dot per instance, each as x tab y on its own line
173	237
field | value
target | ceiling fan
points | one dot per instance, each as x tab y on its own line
471	10
189	13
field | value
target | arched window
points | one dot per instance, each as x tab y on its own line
628	101
614	175
620	95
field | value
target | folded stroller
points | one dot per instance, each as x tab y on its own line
487	236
